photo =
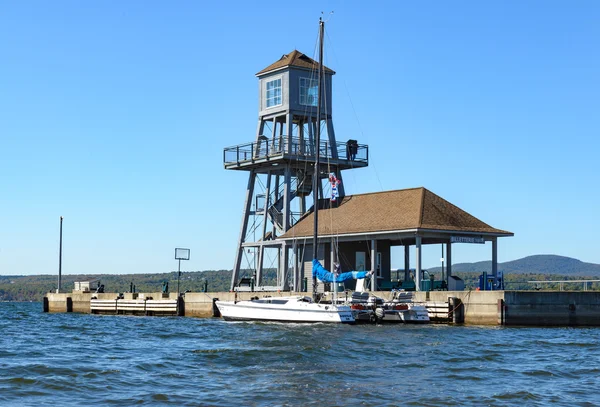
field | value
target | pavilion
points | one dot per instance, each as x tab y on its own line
366	226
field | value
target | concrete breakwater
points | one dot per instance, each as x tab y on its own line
516	308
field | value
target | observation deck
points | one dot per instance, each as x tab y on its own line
273	152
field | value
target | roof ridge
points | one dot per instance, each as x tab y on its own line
386	192
294	59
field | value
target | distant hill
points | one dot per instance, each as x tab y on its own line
537	264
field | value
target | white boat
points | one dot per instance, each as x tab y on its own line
284	309
406	313
401	309
375	310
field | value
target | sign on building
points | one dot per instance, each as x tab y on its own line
467	239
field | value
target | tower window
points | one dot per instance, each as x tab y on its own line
309	89
274	92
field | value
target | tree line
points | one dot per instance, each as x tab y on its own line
33	288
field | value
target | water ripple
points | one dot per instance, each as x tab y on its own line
76	359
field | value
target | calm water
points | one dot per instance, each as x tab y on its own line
73	359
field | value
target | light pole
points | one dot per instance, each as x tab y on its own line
180	254
60	257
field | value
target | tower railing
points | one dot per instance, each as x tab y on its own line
297	148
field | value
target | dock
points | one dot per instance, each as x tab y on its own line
506	308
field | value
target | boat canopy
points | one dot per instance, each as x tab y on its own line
328	277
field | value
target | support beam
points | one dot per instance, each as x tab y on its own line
261	252
418	263
495	259
290	131
407	259
275	199
295	255
302	142
449	259
280	140
243	229
273	135
284	257
374	264
287	180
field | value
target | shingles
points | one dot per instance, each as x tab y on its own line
297	59
416	208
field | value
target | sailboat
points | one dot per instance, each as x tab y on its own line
300	308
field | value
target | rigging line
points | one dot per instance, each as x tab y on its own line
328	16
330	47
362	133
329	155
334	231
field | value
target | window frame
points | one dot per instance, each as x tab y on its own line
315	84
274	98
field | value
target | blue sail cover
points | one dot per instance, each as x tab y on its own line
327	276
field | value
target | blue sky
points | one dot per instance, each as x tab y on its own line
115	114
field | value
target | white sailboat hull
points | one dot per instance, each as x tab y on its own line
286	309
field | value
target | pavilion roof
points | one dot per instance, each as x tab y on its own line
391	211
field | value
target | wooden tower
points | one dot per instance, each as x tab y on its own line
281	163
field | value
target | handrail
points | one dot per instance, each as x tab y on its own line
561	283
265	147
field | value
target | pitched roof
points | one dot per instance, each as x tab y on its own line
297	59
391	211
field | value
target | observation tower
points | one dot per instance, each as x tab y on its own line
281	162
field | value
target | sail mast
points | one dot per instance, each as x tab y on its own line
317	145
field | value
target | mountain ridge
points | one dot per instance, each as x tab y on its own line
537	264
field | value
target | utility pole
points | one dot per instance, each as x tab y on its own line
60	257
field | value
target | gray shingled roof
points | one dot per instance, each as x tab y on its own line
405	209
297	59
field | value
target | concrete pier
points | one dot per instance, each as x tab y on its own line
511	308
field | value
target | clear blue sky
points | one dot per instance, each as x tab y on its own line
115	114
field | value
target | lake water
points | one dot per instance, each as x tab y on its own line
79	360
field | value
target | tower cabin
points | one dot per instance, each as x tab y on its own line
281	162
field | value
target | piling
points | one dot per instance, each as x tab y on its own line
180	306
456	310
215	309
501	312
